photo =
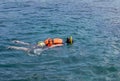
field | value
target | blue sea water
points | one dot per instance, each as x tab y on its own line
94	25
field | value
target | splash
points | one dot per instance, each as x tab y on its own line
37	51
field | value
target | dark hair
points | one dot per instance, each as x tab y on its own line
68	41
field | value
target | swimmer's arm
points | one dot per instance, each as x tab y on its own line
56	45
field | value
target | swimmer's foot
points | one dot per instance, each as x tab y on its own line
18	48
11	47
15	41
20	42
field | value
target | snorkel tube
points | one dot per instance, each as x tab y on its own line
71	40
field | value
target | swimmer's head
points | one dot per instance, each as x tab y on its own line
41	44
69	40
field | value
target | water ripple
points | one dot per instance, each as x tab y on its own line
94	25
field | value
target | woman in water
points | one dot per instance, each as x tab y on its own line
48	43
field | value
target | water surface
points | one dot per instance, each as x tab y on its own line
94	25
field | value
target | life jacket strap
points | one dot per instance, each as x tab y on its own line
50	42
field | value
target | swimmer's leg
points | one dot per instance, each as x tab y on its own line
21	42
18	48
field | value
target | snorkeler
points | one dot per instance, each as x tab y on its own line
48	43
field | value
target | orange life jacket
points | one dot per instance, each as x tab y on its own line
49	42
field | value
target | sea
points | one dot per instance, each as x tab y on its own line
93	24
